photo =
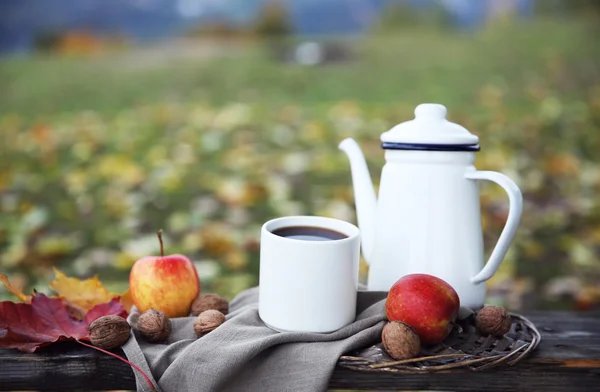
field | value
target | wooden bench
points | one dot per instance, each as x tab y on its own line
568	359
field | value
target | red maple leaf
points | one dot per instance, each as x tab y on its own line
46	320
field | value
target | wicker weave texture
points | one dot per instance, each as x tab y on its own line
464	348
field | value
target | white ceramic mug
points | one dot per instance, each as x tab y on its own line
308	286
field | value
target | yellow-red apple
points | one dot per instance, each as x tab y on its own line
166	283
425	302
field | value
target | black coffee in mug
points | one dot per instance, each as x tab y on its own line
309	233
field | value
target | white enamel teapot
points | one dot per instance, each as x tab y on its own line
426	218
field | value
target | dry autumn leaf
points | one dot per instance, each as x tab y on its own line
80	295
16	291
46	320
127	301
83	294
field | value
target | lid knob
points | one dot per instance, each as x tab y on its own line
431	111
430	130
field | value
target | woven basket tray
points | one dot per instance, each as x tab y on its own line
461	349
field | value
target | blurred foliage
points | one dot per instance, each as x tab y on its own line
271	23
222	30
273	20
96	156
587	9
77	42
399	16
46	40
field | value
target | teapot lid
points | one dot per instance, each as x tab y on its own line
430	131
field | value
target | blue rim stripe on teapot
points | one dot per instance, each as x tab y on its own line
429	147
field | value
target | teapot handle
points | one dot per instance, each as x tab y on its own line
515	199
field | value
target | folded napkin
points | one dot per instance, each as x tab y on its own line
245	355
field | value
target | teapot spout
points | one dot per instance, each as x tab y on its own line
364	194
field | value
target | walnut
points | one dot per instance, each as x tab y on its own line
154	325
209	301
208	321
109	332
493	320
400	340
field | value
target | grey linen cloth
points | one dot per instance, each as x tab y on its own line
245	355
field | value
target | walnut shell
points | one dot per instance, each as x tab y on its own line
109	332
400	340
154	325
208	321
493	320
209	301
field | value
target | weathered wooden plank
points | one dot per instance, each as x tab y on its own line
518	378
63	367
567	359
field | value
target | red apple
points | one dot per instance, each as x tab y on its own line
425	302
166	283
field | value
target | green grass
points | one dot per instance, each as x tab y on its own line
97	154
411	67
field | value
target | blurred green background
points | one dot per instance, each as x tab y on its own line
208	134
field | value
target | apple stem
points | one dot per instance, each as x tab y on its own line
162	251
